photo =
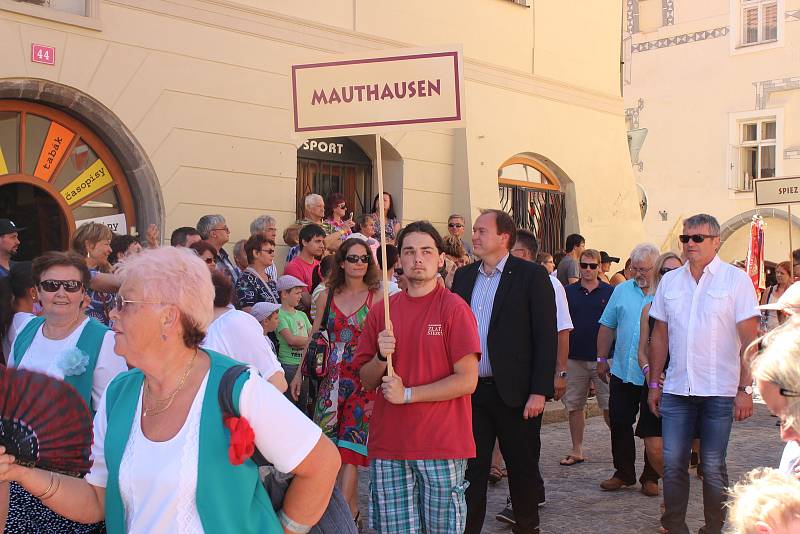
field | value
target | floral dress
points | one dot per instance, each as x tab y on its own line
100	303
343	408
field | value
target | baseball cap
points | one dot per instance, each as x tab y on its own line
7	226
288	281
605	258
262	310
789	300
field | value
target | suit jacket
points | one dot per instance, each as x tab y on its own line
522	336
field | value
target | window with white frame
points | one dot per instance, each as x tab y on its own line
759	21
755	153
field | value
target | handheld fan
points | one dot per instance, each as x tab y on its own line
44	422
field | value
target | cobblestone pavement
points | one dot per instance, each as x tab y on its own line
575	503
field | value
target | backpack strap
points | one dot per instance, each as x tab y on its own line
24	339
230	388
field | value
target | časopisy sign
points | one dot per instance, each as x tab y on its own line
387	90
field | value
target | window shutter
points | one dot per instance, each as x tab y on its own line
750	25
735	178
769	31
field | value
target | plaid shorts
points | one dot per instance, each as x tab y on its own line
417	496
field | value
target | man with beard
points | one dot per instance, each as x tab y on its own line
9	245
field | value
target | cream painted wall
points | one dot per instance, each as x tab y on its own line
203	86
691	92
776	241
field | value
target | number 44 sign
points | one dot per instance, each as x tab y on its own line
43	54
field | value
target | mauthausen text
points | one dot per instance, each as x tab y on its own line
361	93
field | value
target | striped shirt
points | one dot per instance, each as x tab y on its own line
482	302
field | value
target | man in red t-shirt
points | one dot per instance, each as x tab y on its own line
420	434
312	245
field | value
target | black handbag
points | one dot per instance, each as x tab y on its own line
315	362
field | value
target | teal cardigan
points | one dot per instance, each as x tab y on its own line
90	342
230	499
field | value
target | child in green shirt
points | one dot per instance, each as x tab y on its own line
294	328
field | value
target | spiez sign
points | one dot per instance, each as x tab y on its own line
43	54
772	191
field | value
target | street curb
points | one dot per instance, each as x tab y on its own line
554	411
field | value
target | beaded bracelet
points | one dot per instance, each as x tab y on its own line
601	360
654	385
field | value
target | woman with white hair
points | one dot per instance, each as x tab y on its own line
164	460
777	372
766	502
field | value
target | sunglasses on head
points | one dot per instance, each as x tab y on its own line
455	225
353	258
70	286
588	265
697	238
665	270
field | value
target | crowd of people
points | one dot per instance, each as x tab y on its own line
438	403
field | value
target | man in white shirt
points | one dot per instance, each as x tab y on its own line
705	316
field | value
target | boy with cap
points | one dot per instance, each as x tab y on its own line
294	328
266	313
9	245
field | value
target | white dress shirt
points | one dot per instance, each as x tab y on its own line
701	317
563	319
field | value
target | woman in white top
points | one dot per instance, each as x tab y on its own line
777	372
163	461
239	335
66	344
773	293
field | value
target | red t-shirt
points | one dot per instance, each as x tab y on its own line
432	332
301	270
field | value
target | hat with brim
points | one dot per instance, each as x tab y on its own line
789	300
262	310
605	258
7	226
287	282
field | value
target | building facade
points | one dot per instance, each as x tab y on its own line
716	86
151	111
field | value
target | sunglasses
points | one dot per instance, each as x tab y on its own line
398	271
665	270
268	250
119	303
588	265
209	260
353	258
70	286
455	225
697	238
342	206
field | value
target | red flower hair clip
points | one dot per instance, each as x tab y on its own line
242	439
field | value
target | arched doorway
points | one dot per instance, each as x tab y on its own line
334	165
532	194
33	208
49	156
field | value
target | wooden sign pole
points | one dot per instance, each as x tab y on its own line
385	267
791	247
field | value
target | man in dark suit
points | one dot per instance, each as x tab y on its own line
514	304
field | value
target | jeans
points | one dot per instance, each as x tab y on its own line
712	417
623	405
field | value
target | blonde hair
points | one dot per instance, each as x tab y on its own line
591	253
175	276
765	495
779	364
93	233
659	265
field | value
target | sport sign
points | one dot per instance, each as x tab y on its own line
387	90
771	191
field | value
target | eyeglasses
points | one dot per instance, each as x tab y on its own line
120	303
342	206
588	265
665	270
455	225
789	393
268	250
641	270
353	258
51	286
697	238
224	229
209	260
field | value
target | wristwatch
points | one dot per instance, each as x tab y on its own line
746	389
561	374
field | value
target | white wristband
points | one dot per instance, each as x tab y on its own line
291	524
407	396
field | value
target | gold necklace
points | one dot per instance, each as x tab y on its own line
162	405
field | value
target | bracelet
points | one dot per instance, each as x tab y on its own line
52	480
601	360
290	524
653	385
407	396
645	369
55	489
